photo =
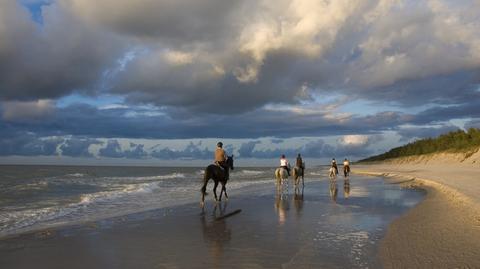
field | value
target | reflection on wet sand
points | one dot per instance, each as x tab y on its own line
346	188
298	200
282	205
216	233
333	190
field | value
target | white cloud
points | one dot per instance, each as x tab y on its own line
354	140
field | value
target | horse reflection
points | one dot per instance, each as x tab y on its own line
346	188
216	233
333	190
298	200
282	205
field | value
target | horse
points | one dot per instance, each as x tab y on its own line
281	174
332	172
218	174
297	173
346	170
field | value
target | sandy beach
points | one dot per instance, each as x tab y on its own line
444	230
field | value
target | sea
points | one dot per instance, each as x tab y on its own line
38	197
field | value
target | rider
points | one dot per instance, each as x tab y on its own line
334	164
346	165
299	162
284	163
220	155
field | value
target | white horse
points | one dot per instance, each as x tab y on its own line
281	174
332	173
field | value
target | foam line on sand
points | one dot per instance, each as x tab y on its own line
443	231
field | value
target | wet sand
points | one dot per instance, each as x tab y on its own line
329	225
443	231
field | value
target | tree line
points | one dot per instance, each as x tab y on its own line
455	141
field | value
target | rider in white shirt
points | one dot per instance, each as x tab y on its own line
284	164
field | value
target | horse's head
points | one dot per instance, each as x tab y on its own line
230	162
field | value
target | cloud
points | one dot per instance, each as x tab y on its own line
354	140
246	149
15	110
54	59
192	151
276	141
78	147
24	144
112	150
136	151
407	134
214	68
245	55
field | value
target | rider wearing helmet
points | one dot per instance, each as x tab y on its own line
299	162
334	164
284	164
220	155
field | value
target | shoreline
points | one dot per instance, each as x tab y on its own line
443	230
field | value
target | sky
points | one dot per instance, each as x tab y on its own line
119	82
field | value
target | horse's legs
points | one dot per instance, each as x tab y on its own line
215	190
204	187
221	191
224	189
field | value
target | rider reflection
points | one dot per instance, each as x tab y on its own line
346	188
282	205
216	233
298	200
333	190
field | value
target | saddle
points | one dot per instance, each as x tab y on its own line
220	166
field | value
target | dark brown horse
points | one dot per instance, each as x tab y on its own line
218	174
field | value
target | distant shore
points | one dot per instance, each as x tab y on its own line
443	231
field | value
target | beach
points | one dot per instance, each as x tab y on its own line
443	231
326	224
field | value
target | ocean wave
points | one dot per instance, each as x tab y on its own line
174	175
30	186
251	172
115	194
75	175
22	220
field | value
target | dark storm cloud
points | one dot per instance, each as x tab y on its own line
178	22
54	59
88	121
214	68
467	110
244	54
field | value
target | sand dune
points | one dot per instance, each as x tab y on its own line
444	230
